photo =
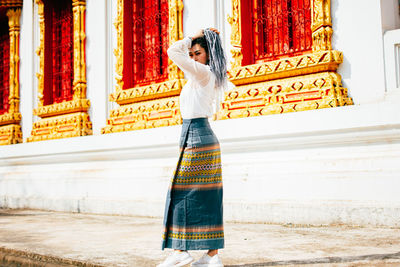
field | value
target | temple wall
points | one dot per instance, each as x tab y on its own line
336	165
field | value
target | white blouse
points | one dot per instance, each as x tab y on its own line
198	95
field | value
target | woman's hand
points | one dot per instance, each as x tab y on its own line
201	33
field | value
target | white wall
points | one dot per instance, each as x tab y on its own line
337	165
96	62
27	78
357	32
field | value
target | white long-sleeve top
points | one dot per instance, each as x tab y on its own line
198	94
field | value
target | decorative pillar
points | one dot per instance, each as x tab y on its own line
153	105
270	87
79	83
69	118
321	25
10	129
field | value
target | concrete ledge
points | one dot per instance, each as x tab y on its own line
20	258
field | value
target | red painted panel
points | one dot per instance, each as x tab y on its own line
280	28
59	50
145	42
62	51
5	65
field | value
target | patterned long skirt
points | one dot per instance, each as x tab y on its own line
193	211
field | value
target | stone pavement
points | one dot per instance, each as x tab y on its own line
43	238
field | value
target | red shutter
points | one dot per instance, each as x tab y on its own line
62	51
4	66
279	28
145	48
59	51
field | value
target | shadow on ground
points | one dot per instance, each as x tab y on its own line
370	257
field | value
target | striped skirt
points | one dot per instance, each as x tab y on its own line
193	211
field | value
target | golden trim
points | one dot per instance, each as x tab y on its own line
321	25
79	105
9	118
314	91
175	33
236	35
288	67
58	119
119	51
148	92
79	83
144	115
40	53
154	94
11	3
11	133
63	126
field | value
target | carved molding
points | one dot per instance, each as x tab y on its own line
58	118
63	126
11	3
314	91
79	83
148	92
288	67
10	134
236	35
144	115
79	105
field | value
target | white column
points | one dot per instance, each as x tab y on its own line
27	79
96	62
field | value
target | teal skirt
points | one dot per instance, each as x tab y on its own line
193	218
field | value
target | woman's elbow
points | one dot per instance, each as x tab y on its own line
170	52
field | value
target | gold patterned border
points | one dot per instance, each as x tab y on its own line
144	115
148	92
79	105
10	134
9	118
63	126
11	3
315	91
288	67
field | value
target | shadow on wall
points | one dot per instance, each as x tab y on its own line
345	68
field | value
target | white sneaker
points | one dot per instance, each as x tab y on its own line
207	261
177	259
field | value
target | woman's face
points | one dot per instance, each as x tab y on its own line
197	53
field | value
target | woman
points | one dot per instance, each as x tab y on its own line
193	212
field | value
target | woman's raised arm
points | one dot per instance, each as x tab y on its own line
179	54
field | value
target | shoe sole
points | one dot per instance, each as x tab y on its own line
184	262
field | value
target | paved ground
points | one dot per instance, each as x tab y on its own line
65	239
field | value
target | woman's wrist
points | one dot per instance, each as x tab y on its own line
199	34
